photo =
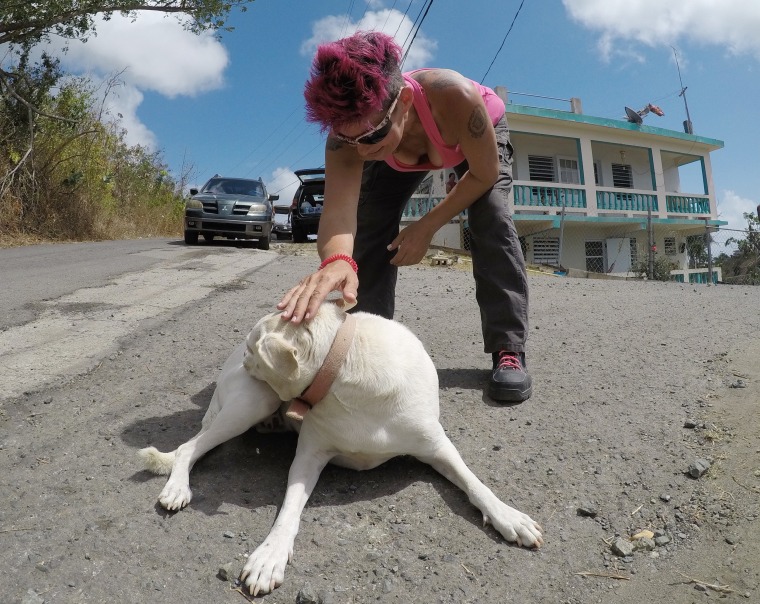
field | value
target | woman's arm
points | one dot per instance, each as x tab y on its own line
337	228
460	113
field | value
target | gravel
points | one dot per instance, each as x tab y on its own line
632	387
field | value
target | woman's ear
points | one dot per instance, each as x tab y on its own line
407	97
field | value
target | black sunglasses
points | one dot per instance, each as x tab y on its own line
376	134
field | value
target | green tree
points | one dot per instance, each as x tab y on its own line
750	245
696	250
65	173
26	23
743	266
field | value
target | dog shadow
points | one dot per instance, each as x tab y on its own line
251	470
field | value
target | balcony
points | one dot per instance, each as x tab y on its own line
549	197
625	201
688	204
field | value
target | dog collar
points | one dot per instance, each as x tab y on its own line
327	373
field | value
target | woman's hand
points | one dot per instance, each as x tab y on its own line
302	302
411	244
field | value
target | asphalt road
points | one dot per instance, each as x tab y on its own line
107	348
71	303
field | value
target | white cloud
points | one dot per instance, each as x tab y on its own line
283	183
730	25
152	53
121	106
155	54
731	208
391	22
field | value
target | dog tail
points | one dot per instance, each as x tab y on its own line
157	462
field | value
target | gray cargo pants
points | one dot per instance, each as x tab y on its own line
501	282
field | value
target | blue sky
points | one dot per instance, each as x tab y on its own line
235	105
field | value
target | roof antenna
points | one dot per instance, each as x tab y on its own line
687	124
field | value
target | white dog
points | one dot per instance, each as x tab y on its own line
383	403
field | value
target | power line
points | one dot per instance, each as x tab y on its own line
408	48
288	146
388	16
406	12
503	41
348	17
262	143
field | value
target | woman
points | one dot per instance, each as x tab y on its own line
386	130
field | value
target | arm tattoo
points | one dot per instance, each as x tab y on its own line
476	125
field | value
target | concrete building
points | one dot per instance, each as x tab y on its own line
601	195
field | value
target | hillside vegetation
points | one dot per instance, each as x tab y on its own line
66	172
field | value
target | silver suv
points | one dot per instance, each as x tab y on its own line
235	208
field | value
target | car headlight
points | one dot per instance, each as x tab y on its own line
257	208
193	204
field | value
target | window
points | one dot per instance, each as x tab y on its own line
595	256
622	176
568	170
541	168
597	174
634	251
670	246
546	250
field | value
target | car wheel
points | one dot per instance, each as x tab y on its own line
191	237
264	244
299	236
208	237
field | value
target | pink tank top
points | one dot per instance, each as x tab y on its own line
451	154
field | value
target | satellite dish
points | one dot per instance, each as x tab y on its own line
632	116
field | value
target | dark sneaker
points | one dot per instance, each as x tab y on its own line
510	382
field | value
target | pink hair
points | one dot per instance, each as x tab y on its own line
351	79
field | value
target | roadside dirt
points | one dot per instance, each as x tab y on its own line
620	369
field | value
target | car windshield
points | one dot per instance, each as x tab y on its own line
234	186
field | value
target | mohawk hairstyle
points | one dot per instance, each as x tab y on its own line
352	78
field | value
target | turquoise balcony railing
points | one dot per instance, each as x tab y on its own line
696	276
556	197
633	202
419	206
687	204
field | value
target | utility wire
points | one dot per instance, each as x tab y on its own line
401	22
262	143
408	48
273	159
388	16
414	23
504	40
348	17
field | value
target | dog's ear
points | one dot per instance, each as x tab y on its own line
342	304
279	355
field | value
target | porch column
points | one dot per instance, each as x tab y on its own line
658	180
589	184
710	187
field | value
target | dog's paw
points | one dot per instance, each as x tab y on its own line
175	496
516	527
265	568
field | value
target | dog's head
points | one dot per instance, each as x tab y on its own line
288	356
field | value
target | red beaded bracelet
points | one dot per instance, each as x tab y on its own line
344	257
